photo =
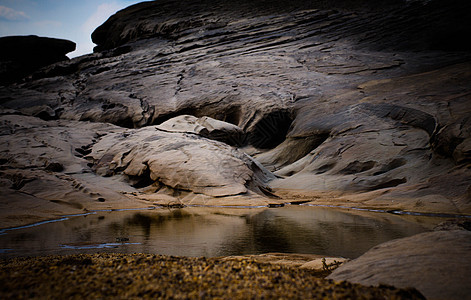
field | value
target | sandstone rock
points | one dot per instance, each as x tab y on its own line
179	161
360	103
174	20
438	264
206	127
43	174
391	142
21	55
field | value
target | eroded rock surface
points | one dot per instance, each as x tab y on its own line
438	264
207	127
43	172
391	152
361	104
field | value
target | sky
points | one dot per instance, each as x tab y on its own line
73	20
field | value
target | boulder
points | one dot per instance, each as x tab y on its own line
438	264
184	162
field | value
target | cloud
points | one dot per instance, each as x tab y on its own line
102	13
10	14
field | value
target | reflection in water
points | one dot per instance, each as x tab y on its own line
209	231
323	231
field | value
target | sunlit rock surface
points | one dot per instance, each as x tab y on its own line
362	104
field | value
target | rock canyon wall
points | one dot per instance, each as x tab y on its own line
353	103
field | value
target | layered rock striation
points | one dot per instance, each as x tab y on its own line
361	103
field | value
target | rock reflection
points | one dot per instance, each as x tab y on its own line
205	231
146	221
323	231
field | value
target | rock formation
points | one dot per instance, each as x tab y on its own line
22	55
360	103
154	159
437	264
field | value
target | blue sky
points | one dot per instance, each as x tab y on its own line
73	20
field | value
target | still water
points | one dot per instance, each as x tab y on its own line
206	231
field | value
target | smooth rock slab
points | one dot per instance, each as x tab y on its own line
438	264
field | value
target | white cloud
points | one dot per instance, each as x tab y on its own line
10	14
102	13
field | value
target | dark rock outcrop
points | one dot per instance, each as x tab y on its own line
414	24
359	103
22	55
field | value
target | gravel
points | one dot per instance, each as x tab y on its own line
128	276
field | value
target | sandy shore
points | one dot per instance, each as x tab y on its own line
130	276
